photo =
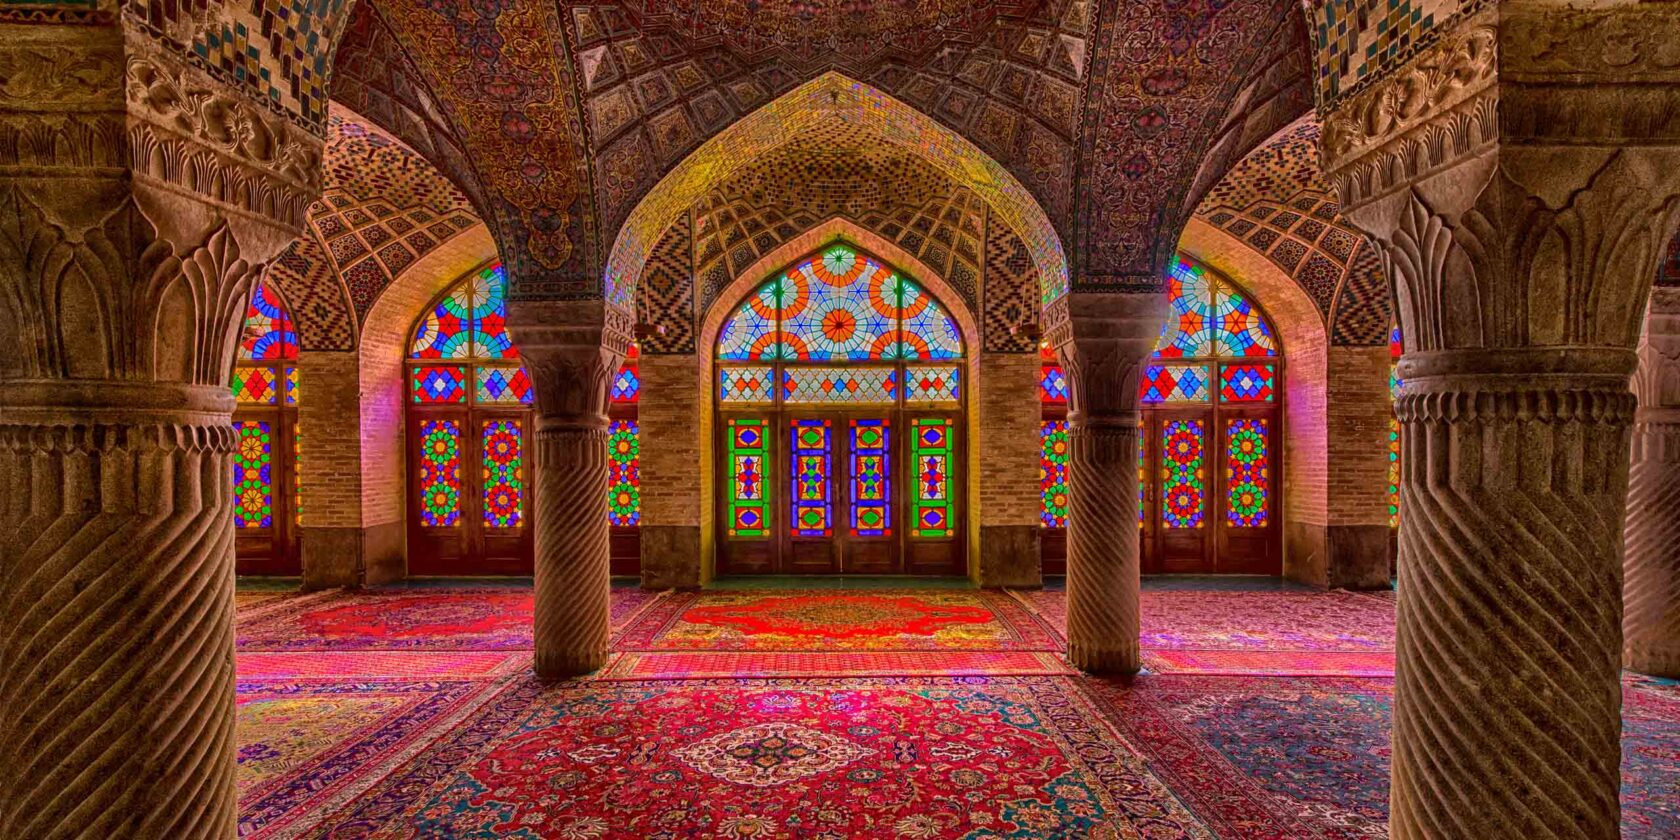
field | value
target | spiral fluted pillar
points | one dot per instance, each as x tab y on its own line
1651	558
573	586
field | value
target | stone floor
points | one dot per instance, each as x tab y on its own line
798	708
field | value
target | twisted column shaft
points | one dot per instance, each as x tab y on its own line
1651	560
1507	692
1102	576
116	625
573	587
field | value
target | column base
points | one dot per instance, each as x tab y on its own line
558	665
1658	660
1009	556
1105	659
671	556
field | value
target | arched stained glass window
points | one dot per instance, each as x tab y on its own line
839	306
267	493
1211	317
469	322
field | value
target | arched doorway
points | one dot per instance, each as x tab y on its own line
840	402
1210	398
468	403
267	494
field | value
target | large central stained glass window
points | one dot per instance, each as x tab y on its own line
842	380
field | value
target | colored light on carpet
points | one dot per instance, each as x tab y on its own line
817	758
1228	620
368	664
830	620
1299	663
777	664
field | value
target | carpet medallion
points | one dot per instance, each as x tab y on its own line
1026	757
830	620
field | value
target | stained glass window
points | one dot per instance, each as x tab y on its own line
839	306
749	384
501	385
932	384
812	463
1246	383
504	473
839	385
627	384
440	472
1053	472
624	479
1394	351
1248	475
1189	329
1174	384
253	475
931	451
291	385
749	464
1053	386
470	322
269	334
438	384
871	470
1183	489
255	385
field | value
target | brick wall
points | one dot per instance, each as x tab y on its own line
1004	455
329	411
1306	398
673	402
1357	439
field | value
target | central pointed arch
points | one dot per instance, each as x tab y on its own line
845	112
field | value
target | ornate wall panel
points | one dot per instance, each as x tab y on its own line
1010	310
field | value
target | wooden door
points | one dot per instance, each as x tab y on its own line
1247	526
1181	441
270	435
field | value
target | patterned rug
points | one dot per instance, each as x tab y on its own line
869	663
1650	758
1197	619
818	620
457	618
918	758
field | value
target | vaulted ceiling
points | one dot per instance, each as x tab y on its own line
558	119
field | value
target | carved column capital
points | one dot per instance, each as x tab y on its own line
1102	347
572	349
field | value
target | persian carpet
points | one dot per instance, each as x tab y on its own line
1283	663
1023	757
1650	758
308	746
1202	619
866	663
430	618
819	620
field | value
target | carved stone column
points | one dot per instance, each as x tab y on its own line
1651	560
131	228
1102	340
1520	176
572	350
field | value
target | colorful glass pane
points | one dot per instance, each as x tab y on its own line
489	316
931	451
442	332
1393	472
755	384
504	473
440	472
839	385
932	384
1174	384
1053	386
268	334
1248	472
253	475
1238	327
291	386
812	453
624	478
504	385
627	385
297	474
1246	383
871	470
748	444
254	385
837	308
1182	488
751	334
927	332
1053	473
1190	323
438	383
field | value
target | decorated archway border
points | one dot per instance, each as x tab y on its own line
868	113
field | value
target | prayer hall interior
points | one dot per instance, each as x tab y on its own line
840	419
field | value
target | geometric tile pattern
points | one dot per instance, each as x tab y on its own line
1276	202
305	274
1011	307
665	297
1361	39
277	51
